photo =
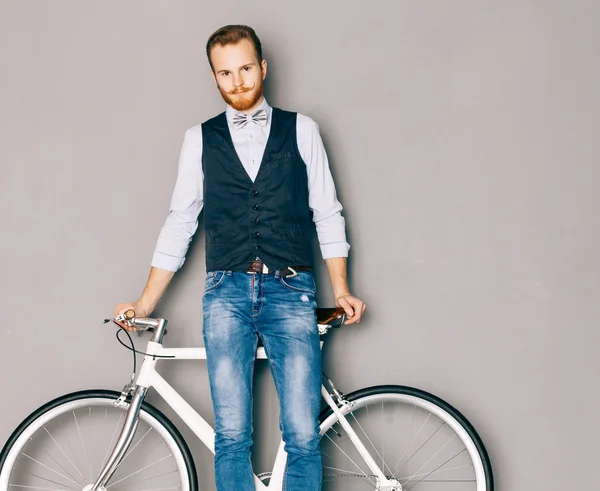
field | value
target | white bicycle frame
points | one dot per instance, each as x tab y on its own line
148	377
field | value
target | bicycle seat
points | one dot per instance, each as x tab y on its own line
330	316
326	318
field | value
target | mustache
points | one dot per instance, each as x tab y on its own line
240	90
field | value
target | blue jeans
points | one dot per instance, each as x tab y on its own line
238	309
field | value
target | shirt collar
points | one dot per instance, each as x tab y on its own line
230	111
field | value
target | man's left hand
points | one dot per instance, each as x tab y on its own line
354	307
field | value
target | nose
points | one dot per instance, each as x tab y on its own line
238	81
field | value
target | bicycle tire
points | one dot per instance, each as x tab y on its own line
327	416
110	395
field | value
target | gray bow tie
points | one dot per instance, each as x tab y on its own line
258	117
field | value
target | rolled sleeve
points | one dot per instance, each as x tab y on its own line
164	261
322	197
339	249
186	203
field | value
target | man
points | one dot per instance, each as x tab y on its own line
262	176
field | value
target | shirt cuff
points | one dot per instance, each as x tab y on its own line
164	261
335	249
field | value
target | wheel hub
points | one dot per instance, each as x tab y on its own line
390	485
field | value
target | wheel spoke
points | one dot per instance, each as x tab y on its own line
425	442
152	477
134	447
383	464
70	447
397	466
50	480
65	454
412	427
348	457
50	469
433	456
427	474
140	470
62	467
83	446
438	467
383	442
34	487
111	441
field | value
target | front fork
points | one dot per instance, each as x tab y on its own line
126	436
337	402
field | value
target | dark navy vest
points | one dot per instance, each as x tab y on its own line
268	218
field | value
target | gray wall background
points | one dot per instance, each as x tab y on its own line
463	136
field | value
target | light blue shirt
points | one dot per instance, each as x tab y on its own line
250	143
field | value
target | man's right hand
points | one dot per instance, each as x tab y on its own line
156	285
137	307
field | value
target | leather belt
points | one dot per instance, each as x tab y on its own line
257	266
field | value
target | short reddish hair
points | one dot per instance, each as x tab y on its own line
233	34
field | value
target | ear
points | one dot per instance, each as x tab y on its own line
263	68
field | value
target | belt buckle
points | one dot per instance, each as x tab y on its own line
293	271
255	266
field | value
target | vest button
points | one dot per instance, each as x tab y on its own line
257	221
258	247
257	234
255	192
256	207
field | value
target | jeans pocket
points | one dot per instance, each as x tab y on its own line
213	280
304	282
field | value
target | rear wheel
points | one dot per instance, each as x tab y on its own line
64	444
413	436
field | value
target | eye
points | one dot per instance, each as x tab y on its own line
225	73
247	68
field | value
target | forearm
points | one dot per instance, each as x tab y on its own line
337	267
157	283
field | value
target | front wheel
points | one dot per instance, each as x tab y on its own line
64	444
414	437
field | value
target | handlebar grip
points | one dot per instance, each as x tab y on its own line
129	314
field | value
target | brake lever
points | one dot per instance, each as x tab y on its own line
124	320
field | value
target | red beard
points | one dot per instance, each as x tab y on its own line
243	103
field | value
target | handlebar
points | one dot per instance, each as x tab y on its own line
157	326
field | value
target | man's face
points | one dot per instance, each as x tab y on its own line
238	74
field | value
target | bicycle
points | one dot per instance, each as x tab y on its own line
58	446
